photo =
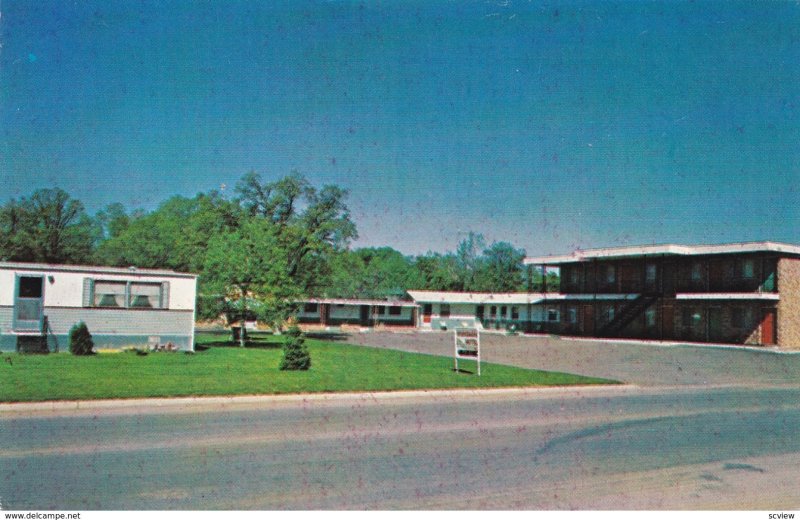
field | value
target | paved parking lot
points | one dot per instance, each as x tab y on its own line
647	363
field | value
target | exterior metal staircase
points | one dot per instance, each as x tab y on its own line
629	313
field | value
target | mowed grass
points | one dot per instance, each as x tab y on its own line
220	368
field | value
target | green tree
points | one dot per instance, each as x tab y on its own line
501	269
15	239
468	260
113	220
295	353
50	227
248	267
372	272
174	236
80	340
438	272
311	225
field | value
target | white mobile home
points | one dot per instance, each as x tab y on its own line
122	307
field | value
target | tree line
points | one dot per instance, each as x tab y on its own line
268	244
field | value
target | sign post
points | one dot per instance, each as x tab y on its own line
467	346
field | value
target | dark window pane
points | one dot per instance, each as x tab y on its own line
30	287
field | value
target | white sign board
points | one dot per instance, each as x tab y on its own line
467	342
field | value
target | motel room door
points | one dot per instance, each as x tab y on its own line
667	322
427	310
768	326
715	330
588	320
364	316
29	303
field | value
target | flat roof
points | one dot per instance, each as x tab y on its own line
348	301
476	297
665	250
22	266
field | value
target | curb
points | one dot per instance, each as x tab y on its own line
167	402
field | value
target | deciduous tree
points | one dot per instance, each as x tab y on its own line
248	267
50	227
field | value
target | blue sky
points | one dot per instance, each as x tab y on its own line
548	125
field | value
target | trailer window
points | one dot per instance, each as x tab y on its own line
145	296
109	294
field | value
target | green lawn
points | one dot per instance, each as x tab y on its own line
219	368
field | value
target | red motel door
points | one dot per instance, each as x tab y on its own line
768	327
427	310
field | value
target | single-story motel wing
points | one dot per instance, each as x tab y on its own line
122	307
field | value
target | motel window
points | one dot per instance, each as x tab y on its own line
572	315
697	272
380	310
552	315
608	312
747	268
395	311
109	294
650	318
728	269
503	311
737	317
144	295
444	310
611	274
690	317
310	308
514	312
492	311
573	276
650	272
742	317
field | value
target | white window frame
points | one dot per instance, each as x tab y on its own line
162	305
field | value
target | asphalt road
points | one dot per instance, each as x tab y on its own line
609	448
683	440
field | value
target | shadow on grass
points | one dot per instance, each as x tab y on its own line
329	336
462	371
248	344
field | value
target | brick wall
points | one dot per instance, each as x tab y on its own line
789	305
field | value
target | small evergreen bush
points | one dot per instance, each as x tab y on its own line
80	340
295	353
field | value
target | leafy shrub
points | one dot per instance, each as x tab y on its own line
295	353
80	340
